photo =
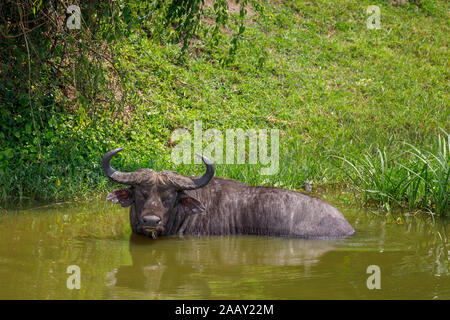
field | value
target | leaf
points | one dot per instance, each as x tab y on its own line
8	153
28	128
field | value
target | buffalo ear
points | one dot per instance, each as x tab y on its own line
190	205
124	197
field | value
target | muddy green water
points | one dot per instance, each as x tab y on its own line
38	245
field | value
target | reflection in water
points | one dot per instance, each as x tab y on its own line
37	246
174	266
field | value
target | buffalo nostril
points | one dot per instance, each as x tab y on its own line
152	219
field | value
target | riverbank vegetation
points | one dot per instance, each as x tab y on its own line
357	108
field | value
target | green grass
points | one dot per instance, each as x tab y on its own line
421	182
378	98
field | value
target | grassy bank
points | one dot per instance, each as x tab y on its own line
356	108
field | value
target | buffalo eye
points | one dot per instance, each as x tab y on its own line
167	200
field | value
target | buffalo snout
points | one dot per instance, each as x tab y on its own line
151	220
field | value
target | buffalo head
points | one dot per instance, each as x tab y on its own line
158	200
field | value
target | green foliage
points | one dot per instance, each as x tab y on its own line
419	181
64	94
137	70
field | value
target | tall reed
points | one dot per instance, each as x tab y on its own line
414	179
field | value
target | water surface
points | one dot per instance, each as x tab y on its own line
38	245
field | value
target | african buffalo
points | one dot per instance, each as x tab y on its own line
167	203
